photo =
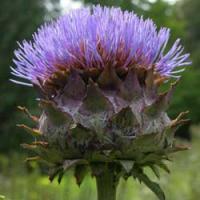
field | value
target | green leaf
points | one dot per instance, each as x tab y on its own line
53	172
154	187
60	176
80	173
163	166
155	170
151	157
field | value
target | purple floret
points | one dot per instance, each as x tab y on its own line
97	38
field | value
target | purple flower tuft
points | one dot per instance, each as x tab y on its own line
95	39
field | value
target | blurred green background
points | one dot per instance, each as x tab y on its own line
20	181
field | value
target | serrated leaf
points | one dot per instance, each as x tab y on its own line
80	173
151	157
53	172
155	170
60	176
163	166
154	187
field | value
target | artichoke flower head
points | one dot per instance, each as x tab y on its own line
98	72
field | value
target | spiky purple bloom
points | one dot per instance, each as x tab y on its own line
97	38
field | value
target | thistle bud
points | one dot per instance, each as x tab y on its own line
98	74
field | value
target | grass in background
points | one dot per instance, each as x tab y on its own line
182	184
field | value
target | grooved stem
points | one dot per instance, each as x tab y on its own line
106	184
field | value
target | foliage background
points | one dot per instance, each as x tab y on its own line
18	20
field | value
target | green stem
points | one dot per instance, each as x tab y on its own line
106	184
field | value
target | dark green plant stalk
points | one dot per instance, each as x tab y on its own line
106	184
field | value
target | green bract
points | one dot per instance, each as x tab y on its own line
105	118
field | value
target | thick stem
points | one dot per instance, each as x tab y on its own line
106	184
